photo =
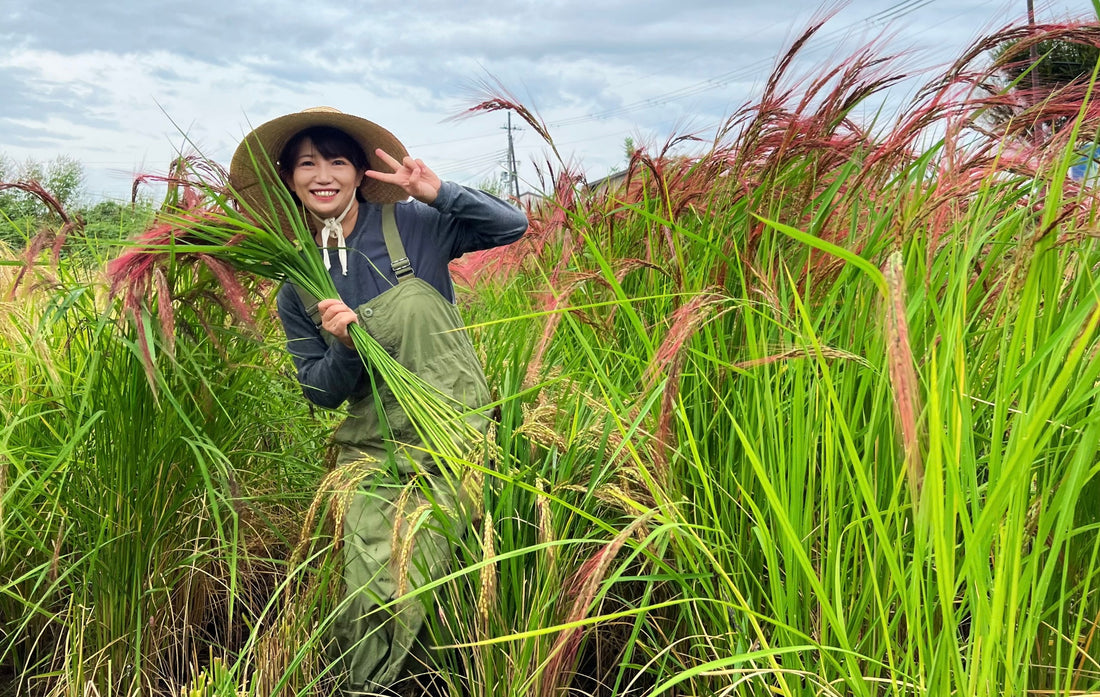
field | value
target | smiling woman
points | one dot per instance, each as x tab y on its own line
352	178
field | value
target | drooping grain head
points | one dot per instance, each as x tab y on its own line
486	598
903	375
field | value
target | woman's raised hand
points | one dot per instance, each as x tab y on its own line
413	176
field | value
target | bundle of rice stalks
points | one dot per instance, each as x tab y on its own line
205	222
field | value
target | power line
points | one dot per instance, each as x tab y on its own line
828	38
833	37
895	11
449	142
479	176
492	159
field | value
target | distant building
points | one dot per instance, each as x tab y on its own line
531	200
1086	169
609	183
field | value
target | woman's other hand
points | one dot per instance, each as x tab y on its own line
335	318
413	176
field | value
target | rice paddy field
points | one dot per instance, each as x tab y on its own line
813	412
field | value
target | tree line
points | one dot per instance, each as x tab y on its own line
25	211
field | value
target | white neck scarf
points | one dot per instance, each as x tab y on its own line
333	228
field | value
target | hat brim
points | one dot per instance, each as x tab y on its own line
255	162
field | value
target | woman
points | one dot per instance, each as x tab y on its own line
388	258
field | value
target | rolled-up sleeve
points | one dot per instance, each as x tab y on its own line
478	220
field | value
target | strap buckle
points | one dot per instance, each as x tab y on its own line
401	267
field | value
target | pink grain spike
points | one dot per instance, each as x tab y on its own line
903	376
234	292
164	310
582	588
669	358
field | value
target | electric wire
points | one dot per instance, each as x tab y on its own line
830	38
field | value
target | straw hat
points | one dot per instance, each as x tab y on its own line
269	139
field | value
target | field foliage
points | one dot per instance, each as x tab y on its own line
812	412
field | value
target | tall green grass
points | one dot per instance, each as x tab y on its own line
139	527
808	415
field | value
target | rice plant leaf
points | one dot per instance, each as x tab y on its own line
847	255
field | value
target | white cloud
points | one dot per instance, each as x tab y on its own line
104	82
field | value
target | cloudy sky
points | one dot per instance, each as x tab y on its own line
122	85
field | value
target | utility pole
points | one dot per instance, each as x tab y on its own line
1034	55
512	173
1034	48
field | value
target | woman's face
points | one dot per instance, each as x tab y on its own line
324	186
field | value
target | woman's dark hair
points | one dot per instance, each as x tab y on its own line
329	142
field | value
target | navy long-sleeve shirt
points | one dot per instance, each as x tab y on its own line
460	220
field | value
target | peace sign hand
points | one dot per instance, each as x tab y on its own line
411	175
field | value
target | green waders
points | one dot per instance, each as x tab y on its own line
373	647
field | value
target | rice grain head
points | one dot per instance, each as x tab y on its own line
546	522
164	311
538	425
483	446
407	545
339	486
487	594
399	512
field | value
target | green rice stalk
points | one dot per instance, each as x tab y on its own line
247	239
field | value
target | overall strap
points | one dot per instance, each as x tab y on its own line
402	267
399	261
309	302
